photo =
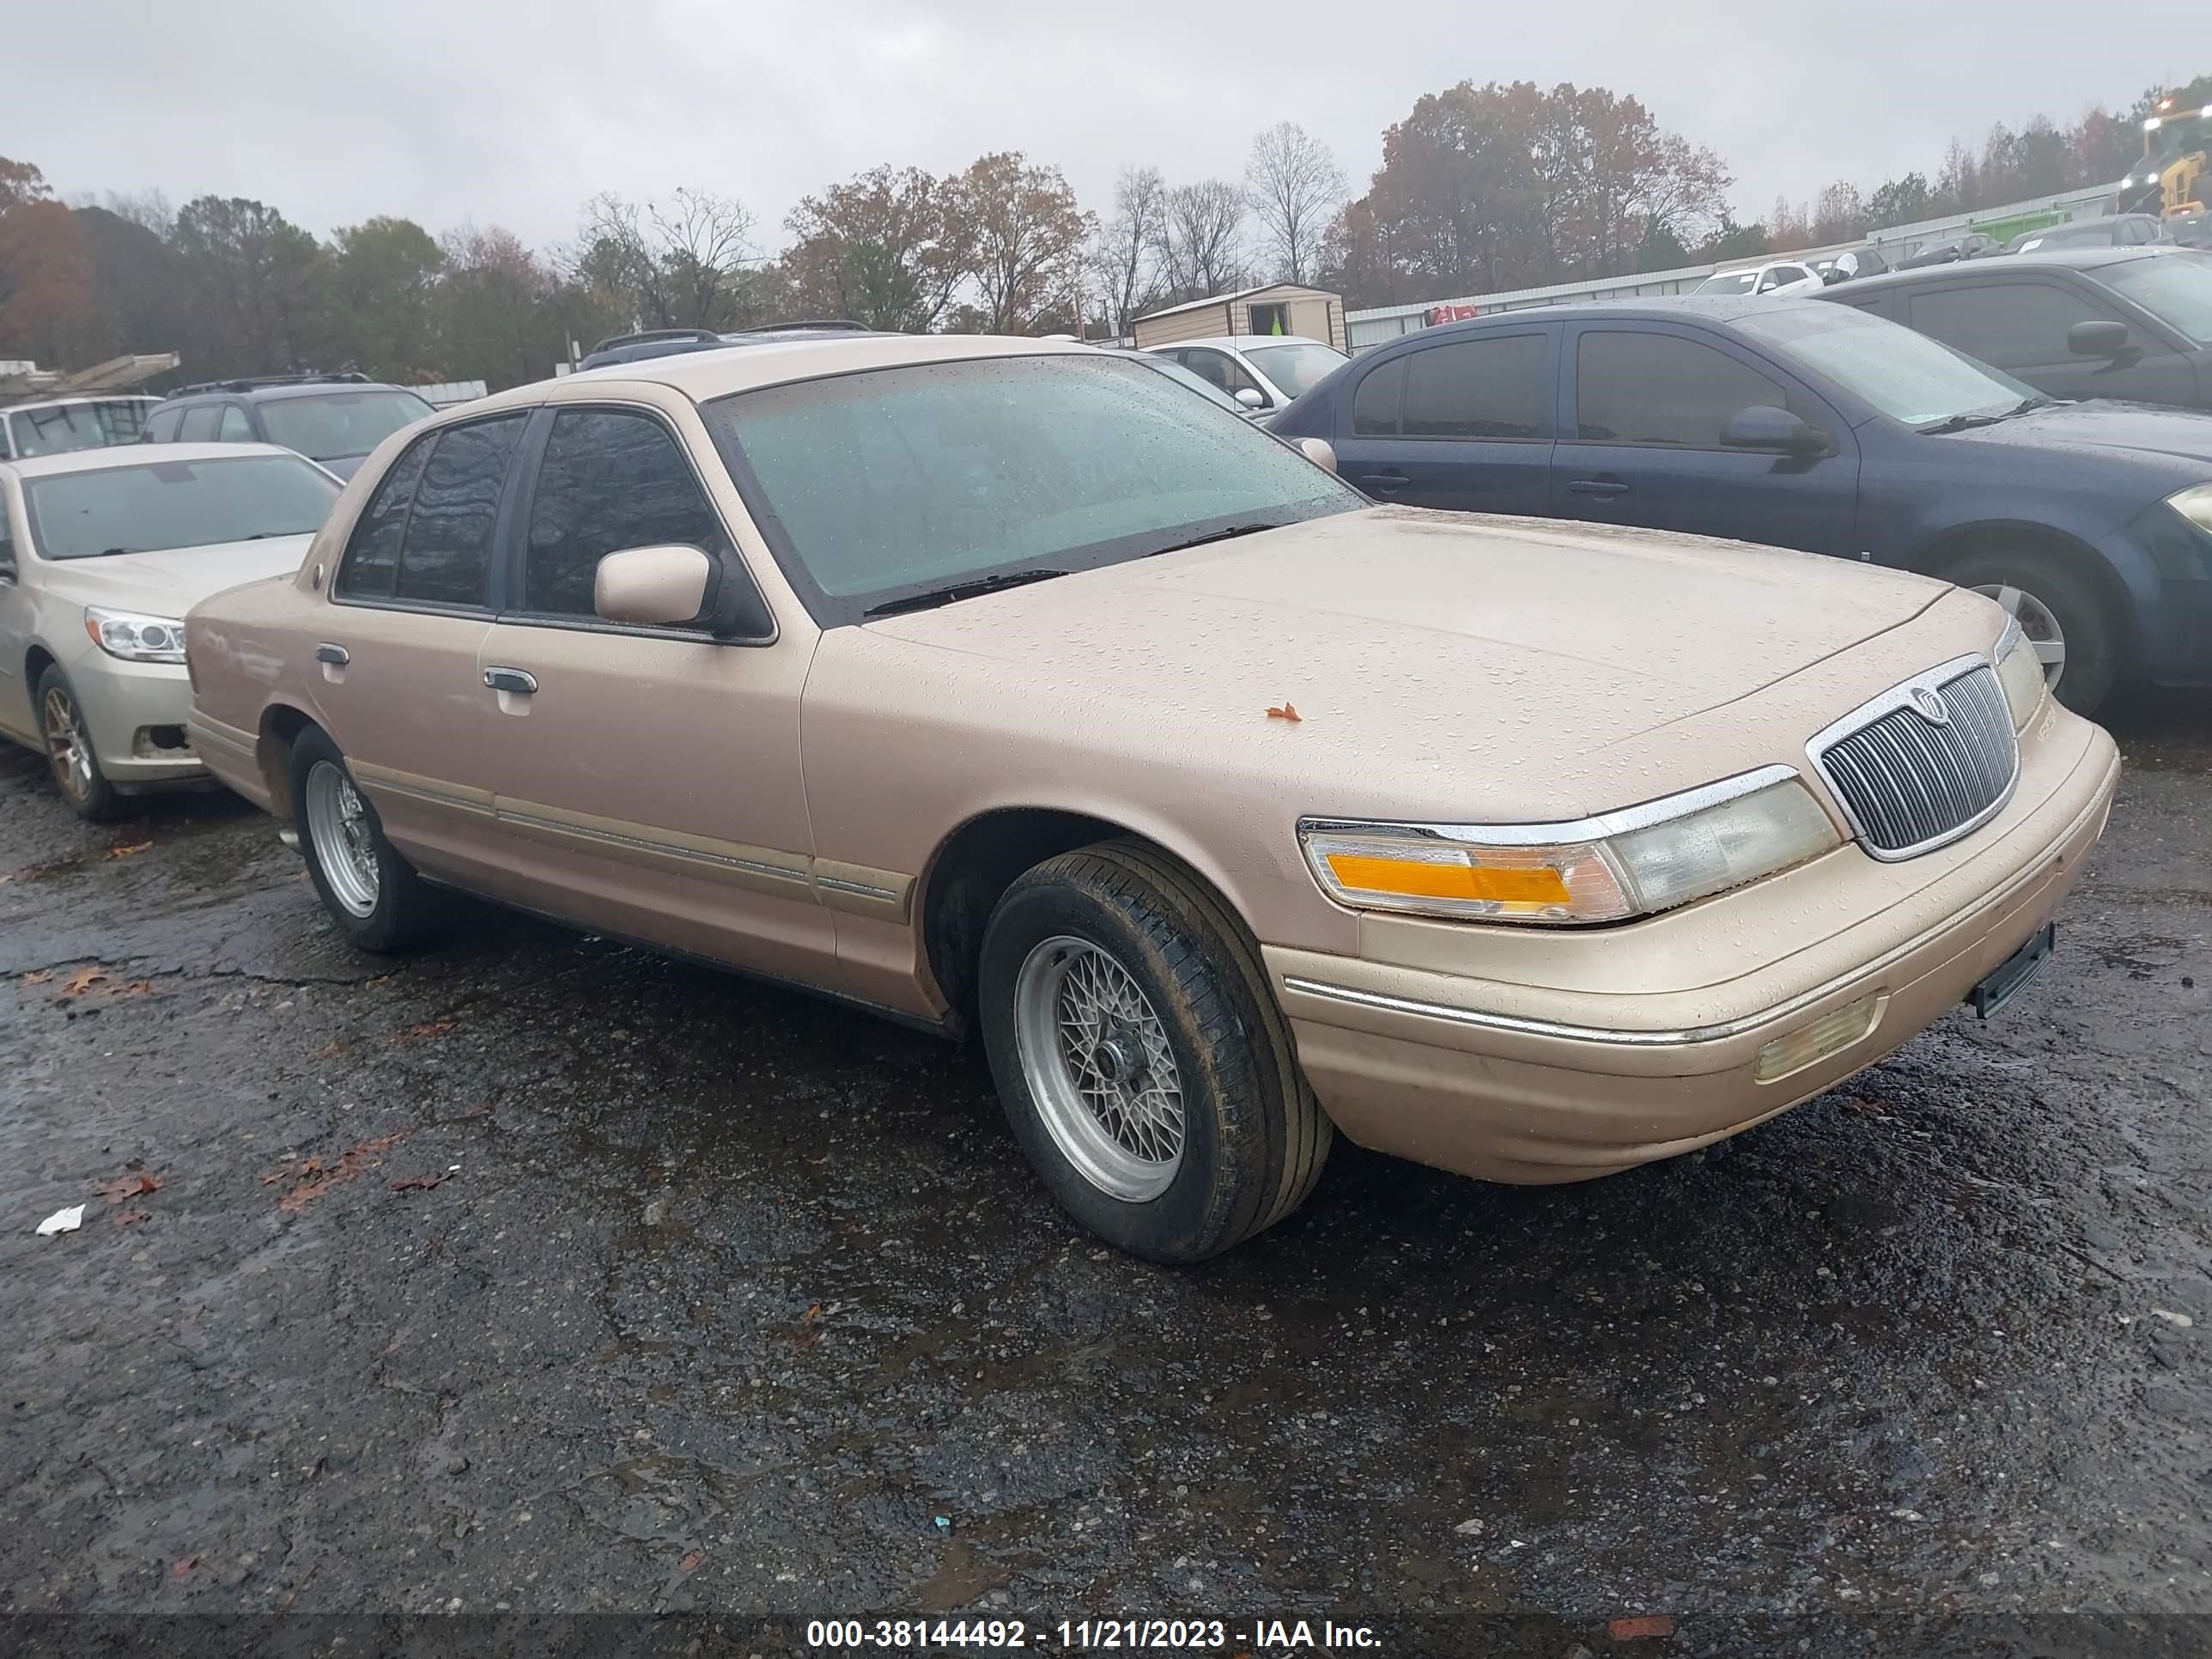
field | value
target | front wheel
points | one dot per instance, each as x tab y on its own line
373	895
2073	628
1142	1062
67	736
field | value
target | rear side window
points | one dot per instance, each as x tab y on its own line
201	423
2006	324
609	480
1374	402
1487	388
444	556
371	559
1633	388
161	427
236	429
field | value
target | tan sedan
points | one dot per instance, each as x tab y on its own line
1006	686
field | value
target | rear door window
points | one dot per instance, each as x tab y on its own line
161	426
1485	388
444	556
2006	324
201	423
611	479
236	429
372	557
1650	388
1374	401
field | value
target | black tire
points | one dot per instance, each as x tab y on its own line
82	785
2095	631
1254	1138
406	911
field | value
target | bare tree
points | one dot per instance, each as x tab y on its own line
1202	243
1130	245
676	264
1295	190
1027	234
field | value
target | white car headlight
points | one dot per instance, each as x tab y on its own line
1630	863
135	638
2019	672
2194	504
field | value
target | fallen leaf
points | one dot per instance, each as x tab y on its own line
1871	1107
416	1183
183	1569
690	1562
136	987
129	1186
37	976
316	1178
128	1217
1651	1625
330	1050
813	1313
429	1028
83	981
132	851
1285	711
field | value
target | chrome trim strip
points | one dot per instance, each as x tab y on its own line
858	889
1618	1038
668	850
1900	697
1597	827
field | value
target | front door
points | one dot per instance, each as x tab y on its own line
1464	425
646	779
1644	406
395	674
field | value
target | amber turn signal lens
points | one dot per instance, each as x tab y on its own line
1421	878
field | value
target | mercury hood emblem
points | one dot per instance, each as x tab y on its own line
1931	706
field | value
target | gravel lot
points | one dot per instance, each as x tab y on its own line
540	1276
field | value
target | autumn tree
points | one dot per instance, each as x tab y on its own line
1201	247
45	277
889	248
1026	237
1294	189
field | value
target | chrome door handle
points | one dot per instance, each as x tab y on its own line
516	680
336	655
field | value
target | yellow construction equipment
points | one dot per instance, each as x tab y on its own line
2175	147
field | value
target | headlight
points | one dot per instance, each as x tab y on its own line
2020	671
1630	863
135	638
2194	504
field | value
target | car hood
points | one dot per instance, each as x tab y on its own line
2142	429
168	583
1427	636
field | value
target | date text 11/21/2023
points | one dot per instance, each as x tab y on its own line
1091	1635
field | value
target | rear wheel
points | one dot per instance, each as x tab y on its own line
2074	628
373	895
70	757
1142	1061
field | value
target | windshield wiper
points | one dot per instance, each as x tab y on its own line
967	590
1234	530
1987	417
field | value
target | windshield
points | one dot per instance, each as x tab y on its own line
1182	376
896	481
1297	368
56	428
2174	288
168	504
1907	376
332	425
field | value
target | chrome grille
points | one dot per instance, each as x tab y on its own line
1925	763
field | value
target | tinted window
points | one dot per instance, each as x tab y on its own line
1475	389
372	558
2009	324
161	427
1375	404
445	558
157	505
236	429
1661	389
608	481
331	425
1220	368
7	536
201	423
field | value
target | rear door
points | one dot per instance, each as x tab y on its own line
1464	425
1642	406
2019	323
395	666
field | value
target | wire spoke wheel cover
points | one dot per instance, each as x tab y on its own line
1095	1057
68	747
2039	625
339	831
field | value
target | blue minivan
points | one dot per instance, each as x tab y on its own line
1803	425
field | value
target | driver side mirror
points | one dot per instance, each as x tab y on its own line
1251	398
1320	452
2098	339
676	586
1763	427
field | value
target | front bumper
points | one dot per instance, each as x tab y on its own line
1534	1084
134	709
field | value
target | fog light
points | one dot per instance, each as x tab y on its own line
1828	1034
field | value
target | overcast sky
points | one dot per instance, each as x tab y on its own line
514	113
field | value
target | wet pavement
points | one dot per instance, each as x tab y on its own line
538	1275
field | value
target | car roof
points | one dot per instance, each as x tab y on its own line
1240	342
122	455
2077	258
1721	308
